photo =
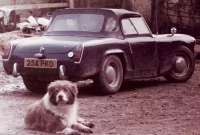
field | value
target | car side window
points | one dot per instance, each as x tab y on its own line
140	25
127	27
111	25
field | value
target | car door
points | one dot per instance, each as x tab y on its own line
143	47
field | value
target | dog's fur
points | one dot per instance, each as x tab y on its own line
57	112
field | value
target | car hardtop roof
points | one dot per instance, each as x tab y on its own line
118	12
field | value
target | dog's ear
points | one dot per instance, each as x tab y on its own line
50	89
52	96
73	92
74	89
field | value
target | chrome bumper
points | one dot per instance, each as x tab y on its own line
15	70
62	70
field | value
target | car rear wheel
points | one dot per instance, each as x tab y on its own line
110	76
35	85
183	66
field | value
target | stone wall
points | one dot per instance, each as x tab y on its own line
182	14
5	2
27	13
20	2
100	3
156	14
141	6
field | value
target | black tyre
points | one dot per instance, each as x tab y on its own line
183	67
35	85
110	76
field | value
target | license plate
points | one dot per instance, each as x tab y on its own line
40	63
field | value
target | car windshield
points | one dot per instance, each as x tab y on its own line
77	22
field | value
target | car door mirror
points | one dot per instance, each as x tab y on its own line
173	30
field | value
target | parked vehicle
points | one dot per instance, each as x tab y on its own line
106	45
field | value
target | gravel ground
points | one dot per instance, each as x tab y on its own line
142	107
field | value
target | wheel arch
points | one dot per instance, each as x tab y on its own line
188	46
120	54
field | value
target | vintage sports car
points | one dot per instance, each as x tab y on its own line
106	45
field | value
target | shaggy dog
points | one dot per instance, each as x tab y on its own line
57	112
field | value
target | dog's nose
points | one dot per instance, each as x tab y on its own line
60	97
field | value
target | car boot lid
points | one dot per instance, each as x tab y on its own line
56	44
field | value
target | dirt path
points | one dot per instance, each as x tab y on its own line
145	107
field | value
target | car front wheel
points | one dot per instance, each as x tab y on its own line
183	66
35	85
110	76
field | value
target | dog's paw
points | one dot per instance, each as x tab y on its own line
90	125
75	133
82	127
71	133
68	131
87	130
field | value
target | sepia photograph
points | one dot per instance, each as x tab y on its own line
99	67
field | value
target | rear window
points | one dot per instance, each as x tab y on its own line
77	22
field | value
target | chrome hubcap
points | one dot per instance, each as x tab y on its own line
110	74
180	64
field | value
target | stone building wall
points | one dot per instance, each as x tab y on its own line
185	13
141	6
100	3
20	2
5	2
27	13
182	14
